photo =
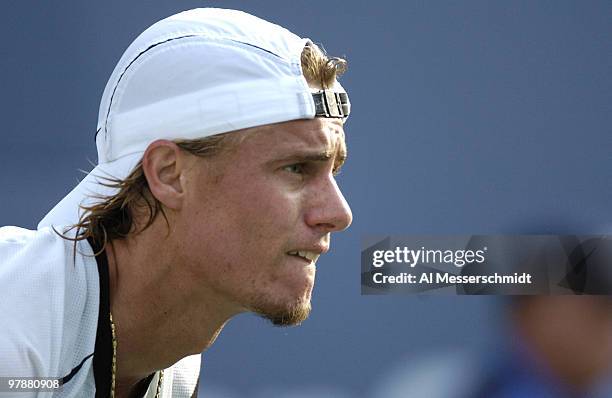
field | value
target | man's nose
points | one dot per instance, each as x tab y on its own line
329	210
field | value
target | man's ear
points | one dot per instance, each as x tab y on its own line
163	163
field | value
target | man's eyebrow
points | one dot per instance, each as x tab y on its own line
325	156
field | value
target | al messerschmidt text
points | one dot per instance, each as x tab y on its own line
408	278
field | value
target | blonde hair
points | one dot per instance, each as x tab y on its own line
320	69
114	217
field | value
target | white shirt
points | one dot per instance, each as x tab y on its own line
50	299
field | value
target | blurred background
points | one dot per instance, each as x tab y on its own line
469	117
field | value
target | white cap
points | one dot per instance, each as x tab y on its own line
197	73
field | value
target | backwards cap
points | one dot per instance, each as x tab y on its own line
192	75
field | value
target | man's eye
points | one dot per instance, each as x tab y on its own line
297	168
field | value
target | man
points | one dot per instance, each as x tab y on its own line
219	135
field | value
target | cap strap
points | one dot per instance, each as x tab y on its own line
331	104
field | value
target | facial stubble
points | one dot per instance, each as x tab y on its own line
289	315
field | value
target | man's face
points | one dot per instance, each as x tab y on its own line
257	217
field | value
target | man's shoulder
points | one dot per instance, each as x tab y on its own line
45	249
16	241
16	236
49	303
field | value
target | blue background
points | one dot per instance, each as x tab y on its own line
468	117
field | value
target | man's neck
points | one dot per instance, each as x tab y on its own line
159	316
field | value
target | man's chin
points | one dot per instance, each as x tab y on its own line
288	316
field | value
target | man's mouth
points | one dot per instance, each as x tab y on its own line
306	255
